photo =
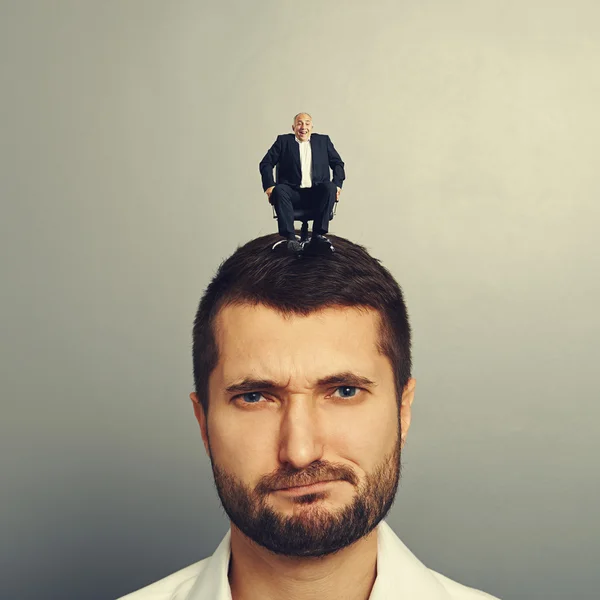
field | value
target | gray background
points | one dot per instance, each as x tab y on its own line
130	139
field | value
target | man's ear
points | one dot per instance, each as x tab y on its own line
408	395
201	418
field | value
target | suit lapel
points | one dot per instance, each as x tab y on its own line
315	149
312	155
296	153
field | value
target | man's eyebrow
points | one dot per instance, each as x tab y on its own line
345	378
251	385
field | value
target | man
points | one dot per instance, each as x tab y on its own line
303	160
303	395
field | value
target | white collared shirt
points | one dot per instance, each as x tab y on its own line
400	576
305	163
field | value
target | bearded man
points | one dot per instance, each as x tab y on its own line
303	395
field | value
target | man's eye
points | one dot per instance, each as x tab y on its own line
347	391
250	397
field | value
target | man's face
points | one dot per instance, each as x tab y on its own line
303	426
302	127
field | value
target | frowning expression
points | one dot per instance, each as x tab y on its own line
303	426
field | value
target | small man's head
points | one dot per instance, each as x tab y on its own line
302	126
303	393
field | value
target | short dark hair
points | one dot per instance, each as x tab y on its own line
349	277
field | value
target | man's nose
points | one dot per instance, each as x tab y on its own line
301	440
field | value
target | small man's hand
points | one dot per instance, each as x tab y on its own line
339	191
269	191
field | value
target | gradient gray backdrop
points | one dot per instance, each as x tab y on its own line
130	139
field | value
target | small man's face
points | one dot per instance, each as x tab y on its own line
302	127
303	426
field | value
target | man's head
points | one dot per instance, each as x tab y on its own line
302	374
302	126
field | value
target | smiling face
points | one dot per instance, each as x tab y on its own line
302	126
303	426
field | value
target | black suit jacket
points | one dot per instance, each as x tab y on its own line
284	154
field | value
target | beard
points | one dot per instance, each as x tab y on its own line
316	530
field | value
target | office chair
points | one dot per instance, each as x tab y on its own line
305	215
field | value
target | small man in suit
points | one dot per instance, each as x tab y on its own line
303	160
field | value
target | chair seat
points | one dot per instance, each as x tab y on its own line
307	214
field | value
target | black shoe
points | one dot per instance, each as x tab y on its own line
294	246
287	246
319	244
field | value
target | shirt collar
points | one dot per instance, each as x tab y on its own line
213	581
301	142
400	574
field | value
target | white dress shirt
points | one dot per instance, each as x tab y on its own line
400	576
305	163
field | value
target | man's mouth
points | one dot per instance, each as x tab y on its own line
301	486
311	488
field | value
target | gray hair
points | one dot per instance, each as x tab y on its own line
302	113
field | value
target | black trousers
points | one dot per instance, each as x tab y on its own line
320	198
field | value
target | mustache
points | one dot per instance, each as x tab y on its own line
288	476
